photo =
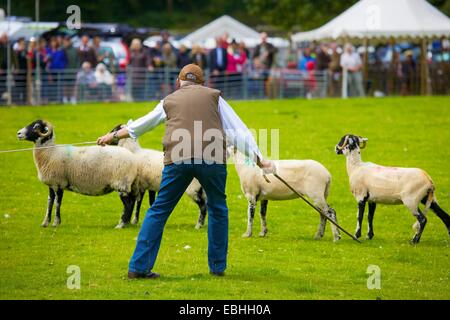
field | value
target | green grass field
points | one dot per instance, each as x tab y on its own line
287	264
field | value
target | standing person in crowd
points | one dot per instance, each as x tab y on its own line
244	48
183	57
86	52
73	63
168	57
408	73
105	81
265	52
306	57
31	53
57	62
323	63
310	80
351	61
335	71
103	54
42	59
4	43
139	64
165	38
86	82
218	65
236	59
20	64
169	60
255	75
198	57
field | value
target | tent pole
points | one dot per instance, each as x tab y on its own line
9	76
423	68
366	61
38	63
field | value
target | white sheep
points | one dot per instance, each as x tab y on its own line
92	171
150	167
308	177
374	184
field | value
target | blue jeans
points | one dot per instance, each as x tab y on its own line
175	179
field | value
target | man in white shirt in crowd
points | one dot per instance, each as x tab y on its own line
351	61
199	123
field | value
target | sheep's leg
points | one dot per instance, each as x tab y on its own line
59	197
372	207
201	202
334	229
419	225
321	204
321	229
441	214
361	208
128	201
138	207
251	216
263	214
48	214
151	197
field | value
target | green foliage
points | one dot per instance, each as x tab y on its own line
287	264
191	14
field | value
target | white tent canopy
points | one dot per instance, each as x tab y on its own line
18	29
369	19
206	35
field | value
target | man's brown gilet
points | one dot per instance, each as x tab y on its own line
189	105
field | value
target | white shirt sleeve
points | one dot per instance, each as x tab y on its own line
236	131
148	122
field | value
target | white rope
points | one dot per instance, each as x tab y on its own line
54	146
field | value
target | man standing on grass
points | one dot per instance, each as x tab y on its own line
197	119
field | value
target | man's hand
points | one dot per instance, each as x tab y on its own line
106	139
267	166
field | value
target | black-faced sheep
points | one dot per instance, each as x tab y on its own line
92	171
372	183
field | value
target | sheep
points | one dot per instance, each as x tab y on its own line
374	184
150	166
92	171
308	177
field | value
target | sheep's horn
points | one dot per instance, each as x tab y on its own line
344	144
49	131
362	142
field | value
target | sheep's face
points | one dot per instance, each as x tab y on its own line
350	142
37	131
115	129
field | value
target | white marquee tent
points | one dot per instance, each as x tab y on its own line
378	20
371	19
18	29
206	35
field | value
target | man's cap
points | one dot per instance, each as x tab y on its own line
193	73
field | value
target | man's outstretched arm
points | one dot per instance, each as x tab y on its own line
136	128
240	136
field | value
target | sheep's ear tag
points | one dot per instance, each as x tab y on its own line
350	141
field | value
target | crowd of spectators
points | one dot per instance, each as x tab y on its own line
88	71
